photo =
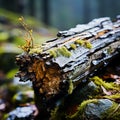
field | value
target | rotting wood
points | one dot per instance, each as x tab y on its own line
72	56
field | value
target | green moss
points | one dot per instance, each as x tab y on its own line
35	50
73	46
113	113
113	97
88	45
81	108
64	51
98	81
80	42
53	53
71	87
84	43
60	51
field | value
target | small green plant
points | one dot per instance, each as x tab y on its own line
28	36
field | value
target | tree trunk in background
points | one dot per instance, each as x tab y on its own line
45	4
32	7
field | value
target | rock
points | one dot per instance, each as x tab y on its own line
82	92
95	111
22	113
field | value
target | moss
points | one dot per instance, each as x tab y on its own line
81	108
11	74
80	42
53	53
71	87
64	51
113	97
98	81
84	43
113	113
73	46
88	45
35	50
60	51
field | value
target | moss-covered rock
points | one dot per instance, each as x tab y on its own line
97	109
23	97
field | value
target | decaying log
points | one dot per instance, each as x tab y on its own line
62	63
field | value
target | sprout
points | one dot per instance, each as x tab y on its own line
28	36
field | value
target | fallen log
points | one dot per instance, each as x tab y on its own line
58	67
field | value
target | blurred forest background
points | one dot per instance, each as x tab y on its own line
45	17
63	14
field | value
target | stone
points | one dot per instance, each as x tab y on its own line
95	111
